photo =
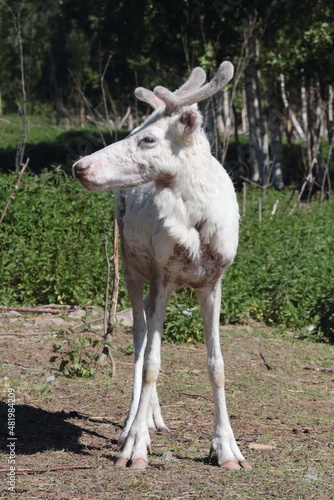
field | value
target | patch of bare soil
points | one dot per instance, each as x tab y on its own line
67	428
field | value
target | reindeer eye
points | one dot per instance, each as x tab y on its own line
149	139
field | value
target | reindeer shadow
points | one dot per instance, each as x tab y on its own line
38	430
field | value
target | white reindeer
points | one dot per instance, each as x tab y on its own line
178	216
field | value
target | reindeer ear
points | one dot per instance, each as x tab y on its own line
190	120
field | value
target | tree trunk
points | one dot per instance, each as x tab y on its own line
330	102
292	124
304	102
227	110
244	118
210	110
275	116
256	154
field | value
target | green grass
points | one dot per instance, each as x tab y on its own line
37	132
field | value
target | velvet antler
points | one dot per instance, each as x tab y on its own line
175	101
149	97
195	80
190	92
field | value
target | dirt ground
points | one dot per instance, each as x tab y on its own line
66	429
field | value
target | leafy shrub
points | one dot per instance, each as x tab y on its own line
323	312
282	264
183	321
51	241
77	358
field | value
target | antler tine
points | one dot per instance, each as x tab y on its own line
196	79
221	78
149	97
171	99
174	102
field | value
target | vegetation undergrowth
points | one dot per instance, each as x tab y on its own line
51	251
76	358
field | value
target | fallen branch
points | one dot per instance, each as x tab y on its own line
15	188
32	309
265	362
319	368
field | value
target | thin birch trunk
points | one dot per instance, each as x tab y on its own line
275	132
303	95
256	153
330	102
290	115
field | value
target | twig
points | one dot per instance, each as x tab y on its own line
52	469
12	194
22	109
105	316
104	93
244	199
319	368
195	395
265	362
109	324
274	208
252	183
298	197
25	334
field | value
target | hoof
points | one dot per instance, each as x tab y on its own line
121	463
245	465
139	464
230	465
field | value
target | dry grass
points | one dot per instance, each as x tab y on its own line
75	422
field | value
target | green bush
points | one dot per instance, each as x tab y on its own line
284	263
51	241
76	358
323	312
183	322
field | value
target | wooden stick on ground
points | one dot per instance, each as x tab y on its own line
12	194
319	368
33	309
269	367
51	469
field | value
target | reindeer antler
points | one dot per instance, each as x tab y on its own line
174	101
149	97
195	80
190	92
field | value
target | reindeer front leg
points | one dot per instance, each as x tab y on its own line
223	443
140	313
138	440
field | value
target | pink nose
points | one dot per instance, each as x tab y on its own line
81	166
